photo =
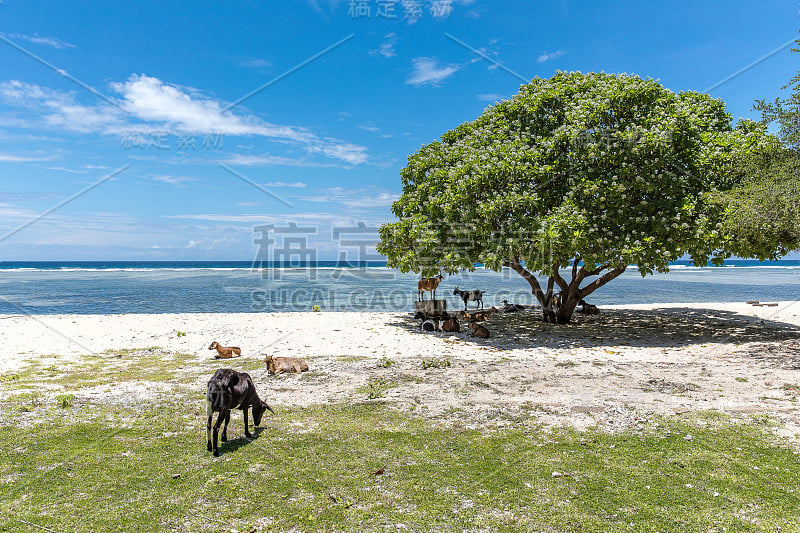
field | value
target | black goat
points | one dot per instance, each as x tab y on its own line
512	308
229	389
470	296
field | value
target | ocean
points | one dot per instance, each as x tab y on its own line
43	288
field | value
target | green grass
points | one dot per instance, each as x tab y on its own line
435	363
70	465
117	473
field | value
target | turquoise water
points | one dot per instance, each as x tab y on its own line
235	287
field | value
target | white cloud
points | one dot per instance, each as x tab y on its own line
177	181
37	39
547	56
15	158
208	244
369	127
387	47
353	198
156	105
428	71
71	171
347	152
265	218
490	97
296	184
270	160
255	63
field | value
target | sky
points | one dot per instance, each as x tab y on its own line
178	131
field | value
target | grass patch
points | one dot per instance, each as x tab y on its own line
65	400
435	363
385	362
375	387
149	471
147	364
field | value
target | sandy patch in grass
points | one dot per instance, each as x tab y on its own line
610	371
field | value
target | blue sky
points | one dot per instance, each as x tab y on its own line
166	98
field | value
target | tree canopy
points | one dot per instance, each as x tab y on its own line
595	171
785	112
761	214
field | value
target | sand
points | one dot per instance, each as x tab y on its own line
611	371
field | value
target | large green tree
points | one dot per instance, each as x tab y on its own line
574	178
761	214
785	112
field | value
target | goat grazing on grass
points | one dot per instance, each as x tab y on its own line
229	389
223	352
281	365
478	330
428	284
470	296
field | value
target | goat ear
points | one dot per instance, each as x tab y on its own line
233	381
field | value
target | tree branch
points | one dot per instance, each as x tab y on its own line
599	282
517	267
556	275
595	272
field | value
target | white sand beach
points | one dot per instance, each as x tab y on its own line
611	371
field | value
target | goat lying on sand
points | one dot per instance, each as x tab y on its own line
223	352
229	389
478	330
451	325
430	324
589	309
478	316
428	284
281	365
512	308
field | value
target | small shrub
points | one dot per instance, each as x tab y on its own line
28	401
316	308
435	363
181	334
375	389
385	362
65	400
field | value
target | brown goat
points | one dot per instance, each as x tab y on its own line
451	325
280	365
223	352
478	330
428	284
478	316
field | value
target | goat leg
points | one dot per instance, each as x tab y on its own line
225	427
246	429
210	413
220	418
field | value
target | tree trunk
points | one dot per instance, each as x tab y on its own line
571	293
545	299
567	307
